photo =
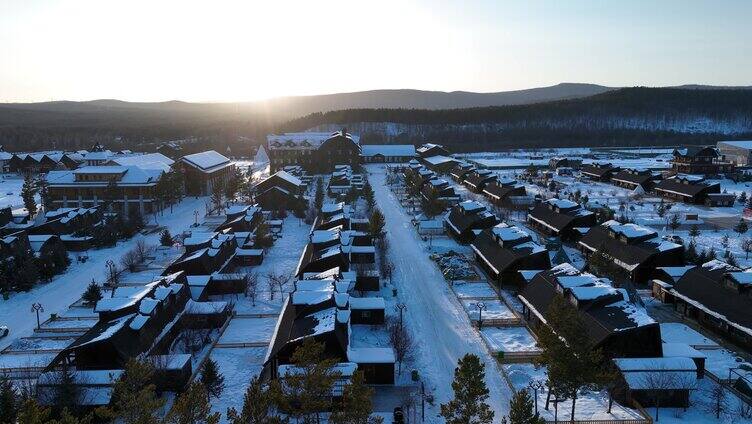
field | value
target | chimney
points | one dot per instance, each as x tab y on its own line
344	131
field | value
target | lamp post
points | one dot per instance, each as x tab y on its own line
401	307
37	307
481	307
195	218
536	385
110	264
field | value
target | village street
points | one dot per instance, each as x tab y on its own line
442	331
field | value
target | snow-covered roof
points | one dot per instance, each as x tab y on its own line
471	206
509	233
306	297
371	355
388	149
671	350
367	303
131	175
439	159
207	161
655	364
288	177
629	230
302	140
146	161
561	203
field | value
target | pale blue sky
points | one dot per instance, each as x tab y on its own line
245	50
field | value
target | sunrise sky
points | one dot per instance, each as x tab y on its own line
246	50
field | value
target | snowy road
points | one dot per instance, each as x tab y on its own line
67	288
440	327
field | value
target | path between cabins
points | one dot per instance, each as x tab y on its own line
68	287
439	324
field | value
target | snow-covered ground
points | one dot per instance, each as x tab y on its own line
479	290
65	289
491	310
590	406
509	339
10	191
435	317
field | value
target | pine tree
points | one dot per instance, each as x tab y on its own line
212	379
44	194
356	406
262	239
192	407
711	254
741	227
258	403
93	293
674	223
694	231
376	223
306	392
33	413
9	401
470	394
67	393
134	398
572	362
165	239
28	191
521	409
318	200
690	254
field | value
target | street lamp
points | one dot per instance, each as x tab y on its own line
110	271
37	307
536	385
195	218
481	307
401	307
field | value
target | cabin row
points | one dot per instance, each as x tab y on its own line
679	187
622	330
336	278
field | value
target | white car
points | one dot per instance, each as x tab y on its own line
3	331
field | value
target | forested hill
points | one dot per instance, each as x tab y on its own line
629	116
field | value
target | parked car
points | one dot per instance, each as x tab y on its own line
4	331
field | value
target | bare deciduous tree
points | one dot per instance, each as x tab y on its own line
130	260
143	250
402	343
252	286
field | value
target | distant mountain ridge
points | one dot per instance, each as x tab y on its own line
536	114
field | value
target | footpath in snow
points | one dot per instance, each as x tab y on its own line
440	326
68	287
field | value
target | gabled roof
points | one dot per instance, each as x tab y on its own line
642	244
605	310
207	161
388	149
702	286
